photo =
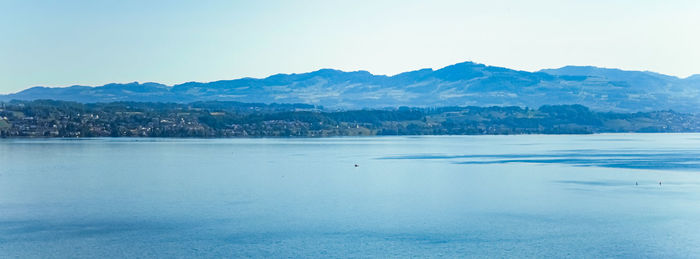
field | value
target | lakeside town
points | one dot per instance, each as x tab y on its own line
47	118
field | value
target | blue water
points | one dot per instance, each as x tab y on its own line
451	196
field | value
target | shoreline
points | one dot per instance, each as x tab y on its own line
343	137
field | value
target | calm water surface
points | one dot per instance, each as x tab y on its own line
454	196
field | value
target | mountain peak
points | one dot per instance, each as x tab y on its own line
327	71
460	71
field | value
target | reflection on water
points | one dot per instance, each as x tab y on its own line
633	159
450	196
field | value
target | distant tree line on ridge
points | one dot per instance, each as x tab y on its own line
48	118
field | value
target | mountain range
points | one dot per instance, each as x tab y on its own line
462	84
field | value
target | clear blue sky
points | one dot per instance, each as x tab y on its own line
60	43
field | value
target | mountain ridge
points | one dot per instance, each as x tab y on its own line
465	83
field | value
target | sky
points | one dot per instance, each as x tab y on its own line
70	42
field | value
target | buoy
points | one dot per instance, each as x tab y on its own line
357	165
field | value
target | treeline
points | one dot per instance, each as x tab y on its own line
47	118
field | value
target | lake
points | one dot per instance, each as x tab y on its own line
609	195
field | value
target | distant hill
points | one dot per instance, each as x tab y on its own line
463	84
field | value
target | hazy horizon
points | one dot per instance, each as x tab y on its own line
303	72
88	43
